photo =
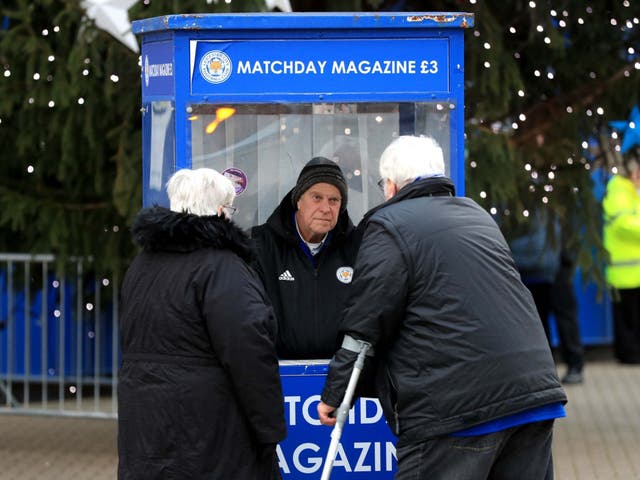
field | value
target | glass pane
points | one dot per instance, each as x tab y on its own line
158	151
263	147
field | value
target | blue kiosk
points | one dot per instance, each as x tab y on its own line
255	96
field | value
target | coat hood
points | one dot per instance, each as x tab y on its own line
160	229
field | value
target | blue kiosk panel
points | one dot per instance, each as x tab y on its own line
367	446
255	96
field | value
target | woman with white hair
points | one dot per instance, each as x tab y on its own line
199	392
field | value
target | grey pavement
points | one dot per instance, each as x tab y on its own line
599	439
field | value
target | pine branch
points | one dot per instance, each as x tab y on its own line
546	115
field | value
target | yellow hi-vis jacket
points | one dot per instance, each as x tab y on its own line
621	206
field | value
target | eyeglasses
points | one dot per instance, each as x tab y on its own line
380	184
229	211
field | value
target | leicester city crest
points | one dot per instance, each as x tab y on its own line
345	274
215	66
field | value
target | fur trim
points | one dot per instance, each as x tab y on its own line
160	229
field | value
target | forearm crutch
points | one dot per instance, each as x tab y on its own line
343	410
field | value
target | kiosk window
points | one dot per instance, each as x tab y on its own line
159	149
263	147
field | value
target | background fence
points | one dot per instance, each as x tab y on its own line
59	351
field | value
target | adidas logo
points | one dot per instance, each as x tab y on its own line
286	276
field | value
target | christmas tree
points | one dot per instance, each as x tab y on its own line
543	82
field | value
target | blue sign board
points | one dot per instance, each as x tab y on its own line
367	447
158	69
336	66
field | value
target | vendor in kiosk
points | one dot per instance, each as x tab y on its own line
305	254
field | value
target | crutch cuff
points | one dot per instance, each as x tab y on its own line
353	345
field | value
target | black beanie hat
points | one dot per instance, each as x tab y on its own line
320	170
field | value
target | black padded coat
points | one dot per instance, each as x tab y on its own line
199	392
308	300
456	334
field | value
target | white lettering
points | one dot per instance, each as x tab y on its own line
341	459
292	408
364	448
428	66
279	67
282	462
338	67
364	419
316	462
364	67
307	406
160	70
370	410
304	460
341	67
391	455
244	67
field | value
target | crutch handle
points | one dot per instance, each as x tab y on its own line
343	410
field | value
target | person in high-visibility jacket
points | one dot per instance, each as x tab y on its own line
621	206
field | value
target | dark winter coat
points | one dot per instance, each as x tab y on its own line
199	393
309	299
455	331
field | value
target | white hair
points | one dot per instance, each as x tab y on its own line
409	157
200	192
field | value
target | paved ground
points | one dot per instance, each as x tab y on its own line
599	439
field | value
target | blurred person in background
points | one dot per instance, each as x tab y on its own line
621	207
547	268
199	392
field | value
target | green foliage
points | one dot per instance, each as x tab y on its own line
568	66
86	183
70	111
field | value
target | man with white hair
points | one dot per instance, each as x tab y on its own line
305	252
462	366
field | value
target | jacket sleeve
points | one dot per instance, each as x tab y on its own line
241	326
377	305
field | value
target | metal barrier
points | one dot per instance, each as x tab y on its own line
59	342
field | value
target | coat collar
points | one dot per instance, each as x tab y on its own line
160	229
422	187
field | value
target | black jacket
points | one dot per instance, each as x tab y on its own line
456	333
199	393
307	300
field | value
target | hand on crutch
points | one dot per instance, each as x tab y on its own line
343	409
